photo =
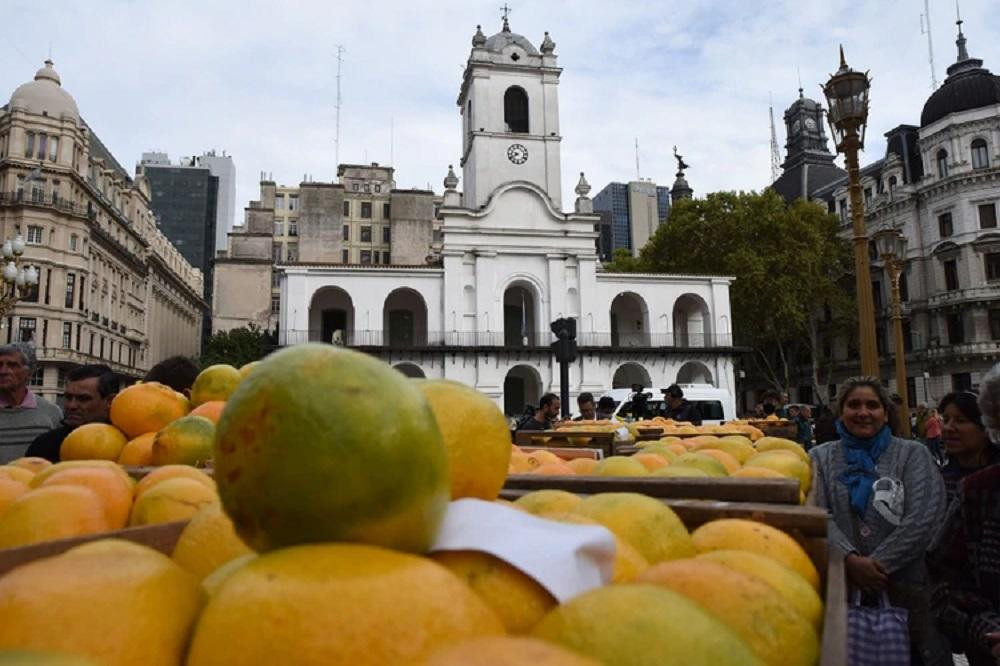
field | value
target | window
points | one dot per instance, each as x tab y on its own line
42	139
82	282
293	202
53	149
48	282
892	184
346	233
275	304
26	329
872	251
70	288
368	187
880	339
347	209
980	155
366	234
386	209
61	378
843	211
993	267
385	258
386	235
942	163
877	294
995	324
34	235
29	146
37	377
279	202
279	228
961	381
345	256
945	226
987	216
366	210
275	280
276	253
868	196
78	336
293	252
73	240
378	187
956	331
904	287
293	227
355	187
951	275
911	391
366	256
67	339
515	109
907	337
375	257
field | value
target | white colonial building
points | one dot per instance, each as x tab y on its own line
511	262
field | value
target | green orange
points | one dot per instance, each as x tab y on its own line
186	441
321	443
216	382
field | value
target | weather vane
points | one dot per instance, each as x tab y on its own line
680	161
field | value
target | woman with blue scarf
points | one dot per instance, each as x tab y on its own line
886	499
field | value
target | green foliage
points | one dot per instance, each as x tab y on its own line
237	346
622	261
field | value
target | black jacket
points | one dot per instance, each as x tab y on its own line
686	411
47	444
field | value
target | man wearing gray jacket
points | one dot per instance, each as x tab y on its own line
23	415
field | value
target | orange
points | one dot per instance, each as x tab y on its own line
651	461
756	473
620	466
542	502
40	478
583	466
115	494
146	407
554	469
186	441
216	382
628	562
475	434
337	603
643	625
645	523
728	461
172	472
208	542
520	463
246	368
305	452
171	500
16	473
93	441
10	490
113	601
138	452
211	410
56	512
517	599
507	651
753	609
32	463
536	458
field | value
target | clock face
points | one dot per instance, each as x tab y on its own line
795	126
517	154
810	124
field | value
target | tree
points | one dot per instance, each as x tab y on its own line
787	261
237	346
622	261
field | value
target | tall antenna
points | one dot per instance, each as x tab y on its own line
925	29
775	155
336	153
637	176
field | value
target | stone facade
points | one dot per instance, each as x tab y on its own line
112	288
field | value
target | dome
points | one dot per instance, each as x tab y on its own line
968	86
45	95
804	102
505	37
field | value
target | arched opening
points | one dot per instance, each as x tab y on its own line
980	154
411	370
629	321
942	163
694	372
519	316
404	319
522	388
629	374
691	321
515	109
331	316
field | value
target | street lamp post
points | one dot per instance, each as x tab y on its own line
891	245
17	279
847	98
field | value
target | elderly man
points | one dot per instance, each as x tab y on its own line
23	415
87	399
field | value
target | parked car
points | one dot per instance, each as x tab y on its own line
716	405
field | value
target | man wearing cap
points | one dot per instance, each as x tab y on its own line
678	408
23	415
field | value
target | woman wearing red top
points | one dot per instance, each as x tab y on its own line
932	426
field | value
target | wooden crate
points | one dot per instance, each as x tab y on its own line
598	439
567	453
776	491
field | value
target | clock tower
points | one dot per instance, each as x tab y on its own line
510	116
805	132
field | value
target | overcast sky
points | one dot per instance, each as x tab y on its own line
258	79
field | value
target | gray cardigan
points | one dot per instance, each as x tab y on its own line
899	548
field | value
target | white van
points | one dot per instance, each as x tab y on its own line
716	405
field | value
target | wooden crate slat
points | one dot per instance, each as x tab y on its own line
729	489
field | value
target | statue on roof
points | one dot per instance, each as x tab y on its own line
680	162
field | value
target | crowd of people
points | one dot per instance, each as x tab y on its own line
546	415
30	425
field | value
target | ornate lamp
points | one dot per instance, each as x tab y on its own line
17	279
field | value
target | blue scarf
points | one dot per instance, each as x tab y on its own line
861	455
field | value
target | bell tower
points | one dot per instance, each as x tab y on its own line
805	132
509	104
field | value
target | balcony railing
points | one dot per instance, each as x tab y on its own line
500	339
39	198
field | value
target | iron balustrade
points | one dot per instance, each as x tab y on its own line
408	339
